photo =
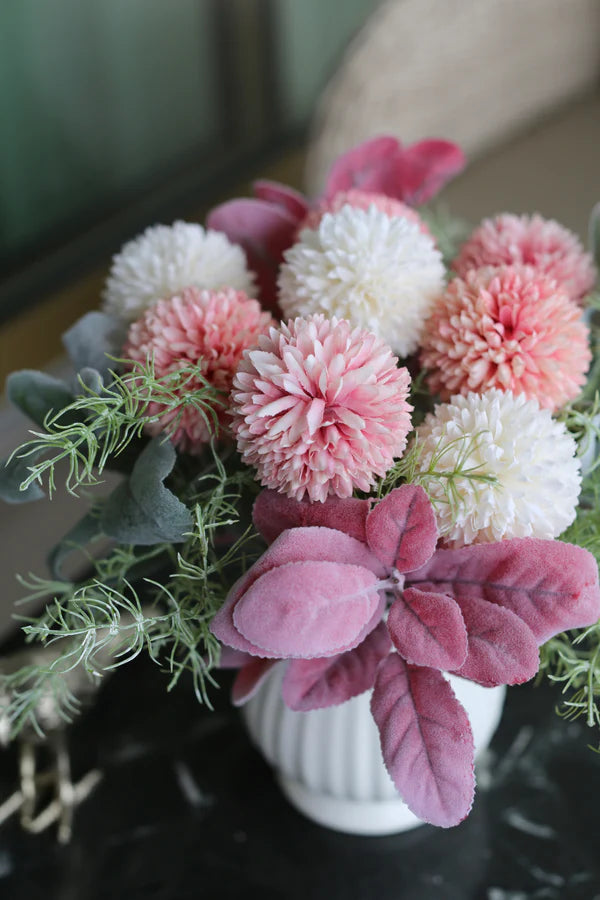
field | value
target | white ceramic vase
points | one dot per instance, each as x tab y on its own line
328	761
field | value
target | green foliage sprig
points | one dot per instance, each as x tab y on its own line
98	425
439	481
108	621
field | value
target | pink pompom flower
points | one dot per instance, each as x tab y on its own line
320	408
530	240
212	328
510	328
361	200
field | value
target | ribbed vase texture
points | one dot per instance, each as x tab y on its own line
329	763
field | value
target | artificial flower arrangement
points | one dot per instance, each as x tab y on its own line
422	430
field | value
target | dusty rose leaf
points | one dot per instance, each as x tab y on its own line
502	648
281	195
552	586
294	545
307	609
264	231
428	629
233	659
401	528
426	741
274	512
249	678
370	166
426	167
317	683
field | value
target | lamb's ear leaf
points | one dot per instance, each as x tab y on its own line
82	533
428	629
273	513
249	678
264	231
502	648
317	683
281	195
141	510
426	741
551	585
426	167
308	609
92	339
401	528
36	393
370	166
12	475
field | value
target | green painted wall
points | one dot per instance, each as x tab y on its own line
98	96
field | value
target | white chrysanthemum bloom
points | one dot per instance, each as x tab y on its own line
529	455
164	260
379	272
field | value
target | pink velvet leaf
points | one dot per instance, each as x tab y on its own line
502	648
233	659
317	683
401	528
295	545
428	629
426	741
552	586
264	231
249	678
426	167
274	512
281	195
308	609
370	166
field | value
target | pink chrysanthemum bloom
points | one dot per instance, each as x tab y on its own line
210	327
320	408
530	240
361	200
509	328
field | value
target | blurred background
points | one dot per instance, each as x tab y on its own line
117	114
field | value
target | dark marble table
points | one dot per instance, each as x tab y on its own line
187	809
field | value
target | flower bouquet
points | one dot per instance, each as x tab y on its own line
379	474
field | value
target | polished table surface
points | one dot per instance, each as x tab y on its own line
187	809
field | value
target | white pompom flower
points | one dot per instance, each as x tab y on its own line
164	260
379	272
520	474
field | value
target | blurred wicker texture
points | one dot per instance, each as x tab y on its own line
472	71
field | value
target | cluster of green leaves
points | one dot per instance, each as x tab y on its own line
102	421
156	593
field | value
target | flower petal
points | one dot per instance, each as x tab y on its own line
502	648
308	609
426	741
552	586
264	231
401	529
249	679
274	512
428	629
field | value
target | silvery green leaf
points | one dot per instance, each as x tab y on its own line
82	533
12	475
141	510
36	393
93	339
